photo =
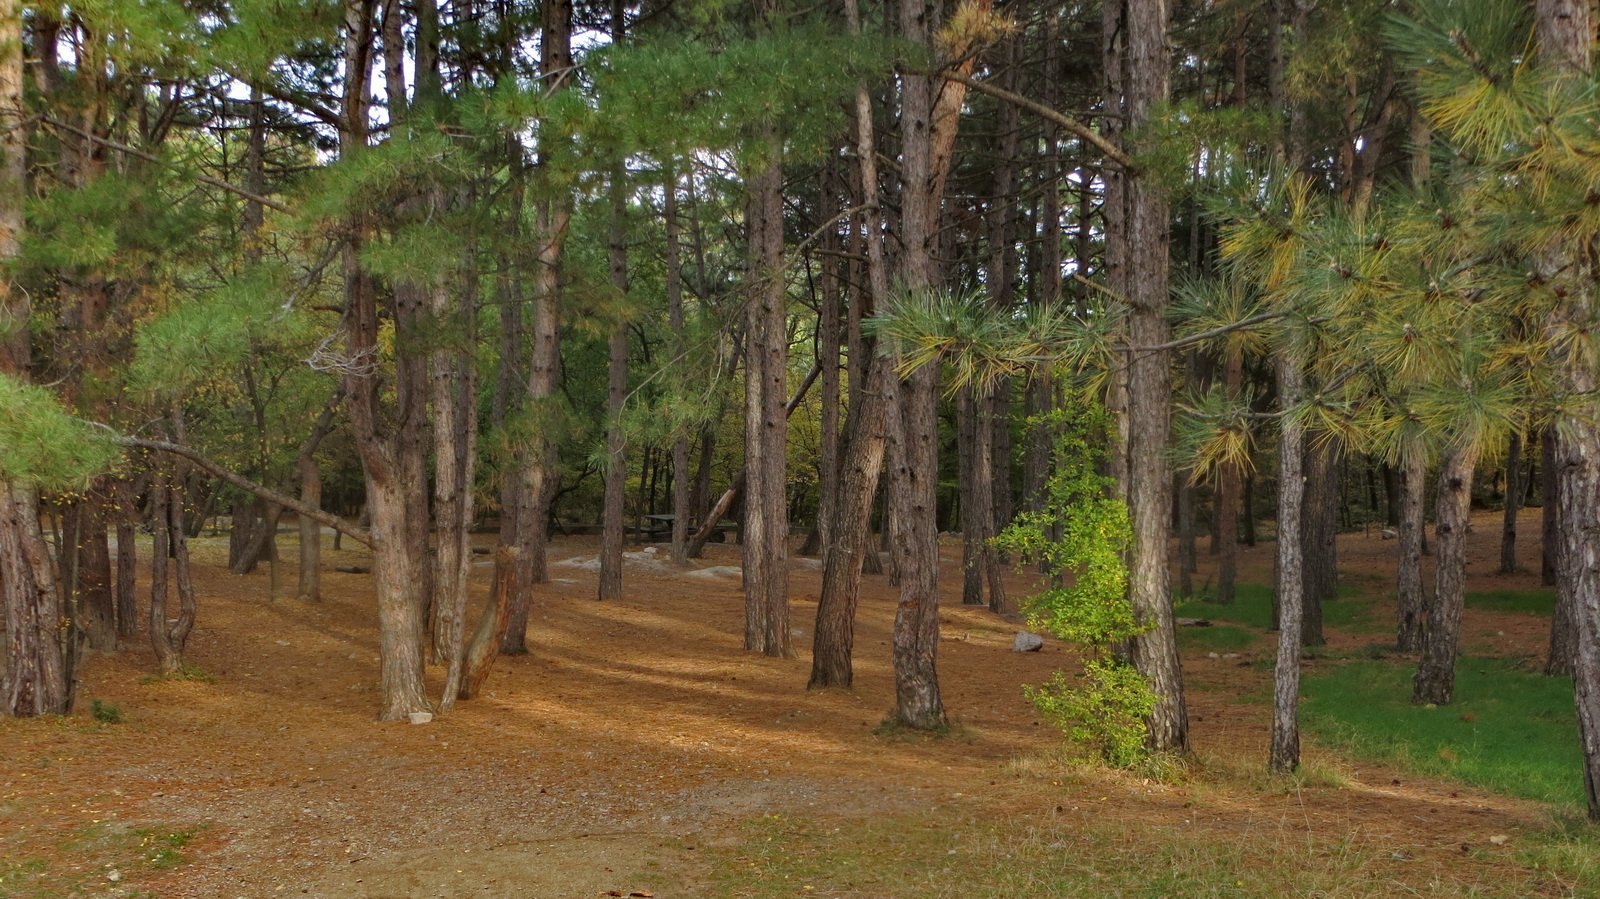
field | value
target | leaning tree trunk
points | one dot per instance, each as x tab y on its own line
845	553
1290	590
1412	606
852	532
1436	676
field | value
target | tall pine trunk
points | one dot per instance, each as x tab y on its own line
845	553
1290	588
38	676
1412	603
616	469
1435	680
1508	523
1137	62
766	525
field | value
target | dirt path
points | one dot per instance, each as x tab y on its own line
627	753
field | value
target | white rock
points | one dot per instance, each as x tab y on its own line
1027	642
421	717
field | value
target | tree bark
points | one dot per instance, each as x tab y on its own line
1550	511
1412	604
1508	525
86	562
1436	675
766	526
845	553
37	673
1136	35
1290	589
1319	532
127	561
681	479
609	584
480	652
537	472
310	586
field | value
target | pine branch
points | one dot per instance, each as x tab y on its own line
152	158
343	525
1099	141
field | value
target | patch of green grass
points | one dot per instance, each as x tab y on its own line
1252	606
1217	638
1508	730
950	853
106	712
87	854
1530	602
163	849
1568	854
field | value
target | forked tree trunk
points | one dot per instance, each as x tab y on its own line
852	532
1290	589
1412	603
480	652
1435	680
845	553
38	675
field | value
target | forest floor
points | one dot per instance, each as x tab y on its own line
640	751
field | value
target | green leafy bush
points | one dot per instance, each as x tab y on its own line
1080	535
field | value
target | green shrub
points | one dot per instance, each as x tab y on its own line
1081	535
105	712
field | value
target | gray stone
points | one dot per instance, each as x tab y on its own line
1027	642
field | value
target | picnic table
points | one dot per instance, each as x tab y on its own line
661	526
